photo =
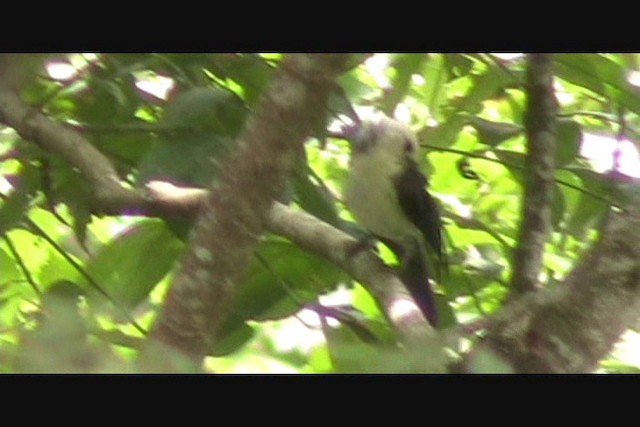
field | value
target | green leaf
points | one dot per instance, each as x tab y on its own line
72	189
569	137
405	65
494	133
314	198
281	265
206	122
353	87
9	268
205	110
230	339
484	86
106	100
16	205
190	160
250	71
457	64
130	266
601	75
436	76
280	268
350	355
446	316
581	70
514	162
589	210
470	280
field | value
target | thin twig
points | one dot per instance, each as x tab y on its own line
84	273
21	264
504	163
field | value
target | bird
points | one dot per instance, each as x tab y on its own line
387	195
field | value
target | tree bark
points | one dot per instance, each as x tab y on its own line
234	214
569	328
539	174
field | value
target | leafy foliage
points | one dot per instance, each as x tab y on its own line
468	111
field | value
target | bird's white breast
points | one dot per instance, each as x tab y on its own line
371	197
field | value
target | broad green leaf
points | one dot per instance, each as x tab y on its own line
320	360
354	88
15	206
485	86
457	64
125	148
314	198
494	133
193	160
281	268
435	75
279	281
9	268
465	281
569	137
405	65
350	355
580	69
250	71
445	134
230	339
589	210
206	121
130	266
514	162
446	316
106	101
71	188
600	74
211	111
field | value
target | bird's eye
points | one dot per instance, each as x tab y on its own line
408	146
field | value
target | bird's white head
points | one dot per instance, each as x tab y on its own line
385	137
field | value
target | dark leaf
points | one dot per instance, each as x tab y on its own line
231	338
494	133
16	205
569	137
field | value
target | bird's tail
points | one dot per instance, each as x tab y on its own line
415	276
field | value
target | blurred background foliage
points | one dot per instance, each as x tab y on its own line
71	283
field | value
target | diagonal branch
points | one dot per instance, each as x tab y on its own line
36	127
538	190
164	199
569	328
234	214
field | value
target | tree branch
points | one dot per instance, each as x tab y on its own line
229	226
163	199
53	137
538	191
570	327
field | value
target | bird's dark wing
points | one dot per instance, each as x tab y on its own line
414	273
420	207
